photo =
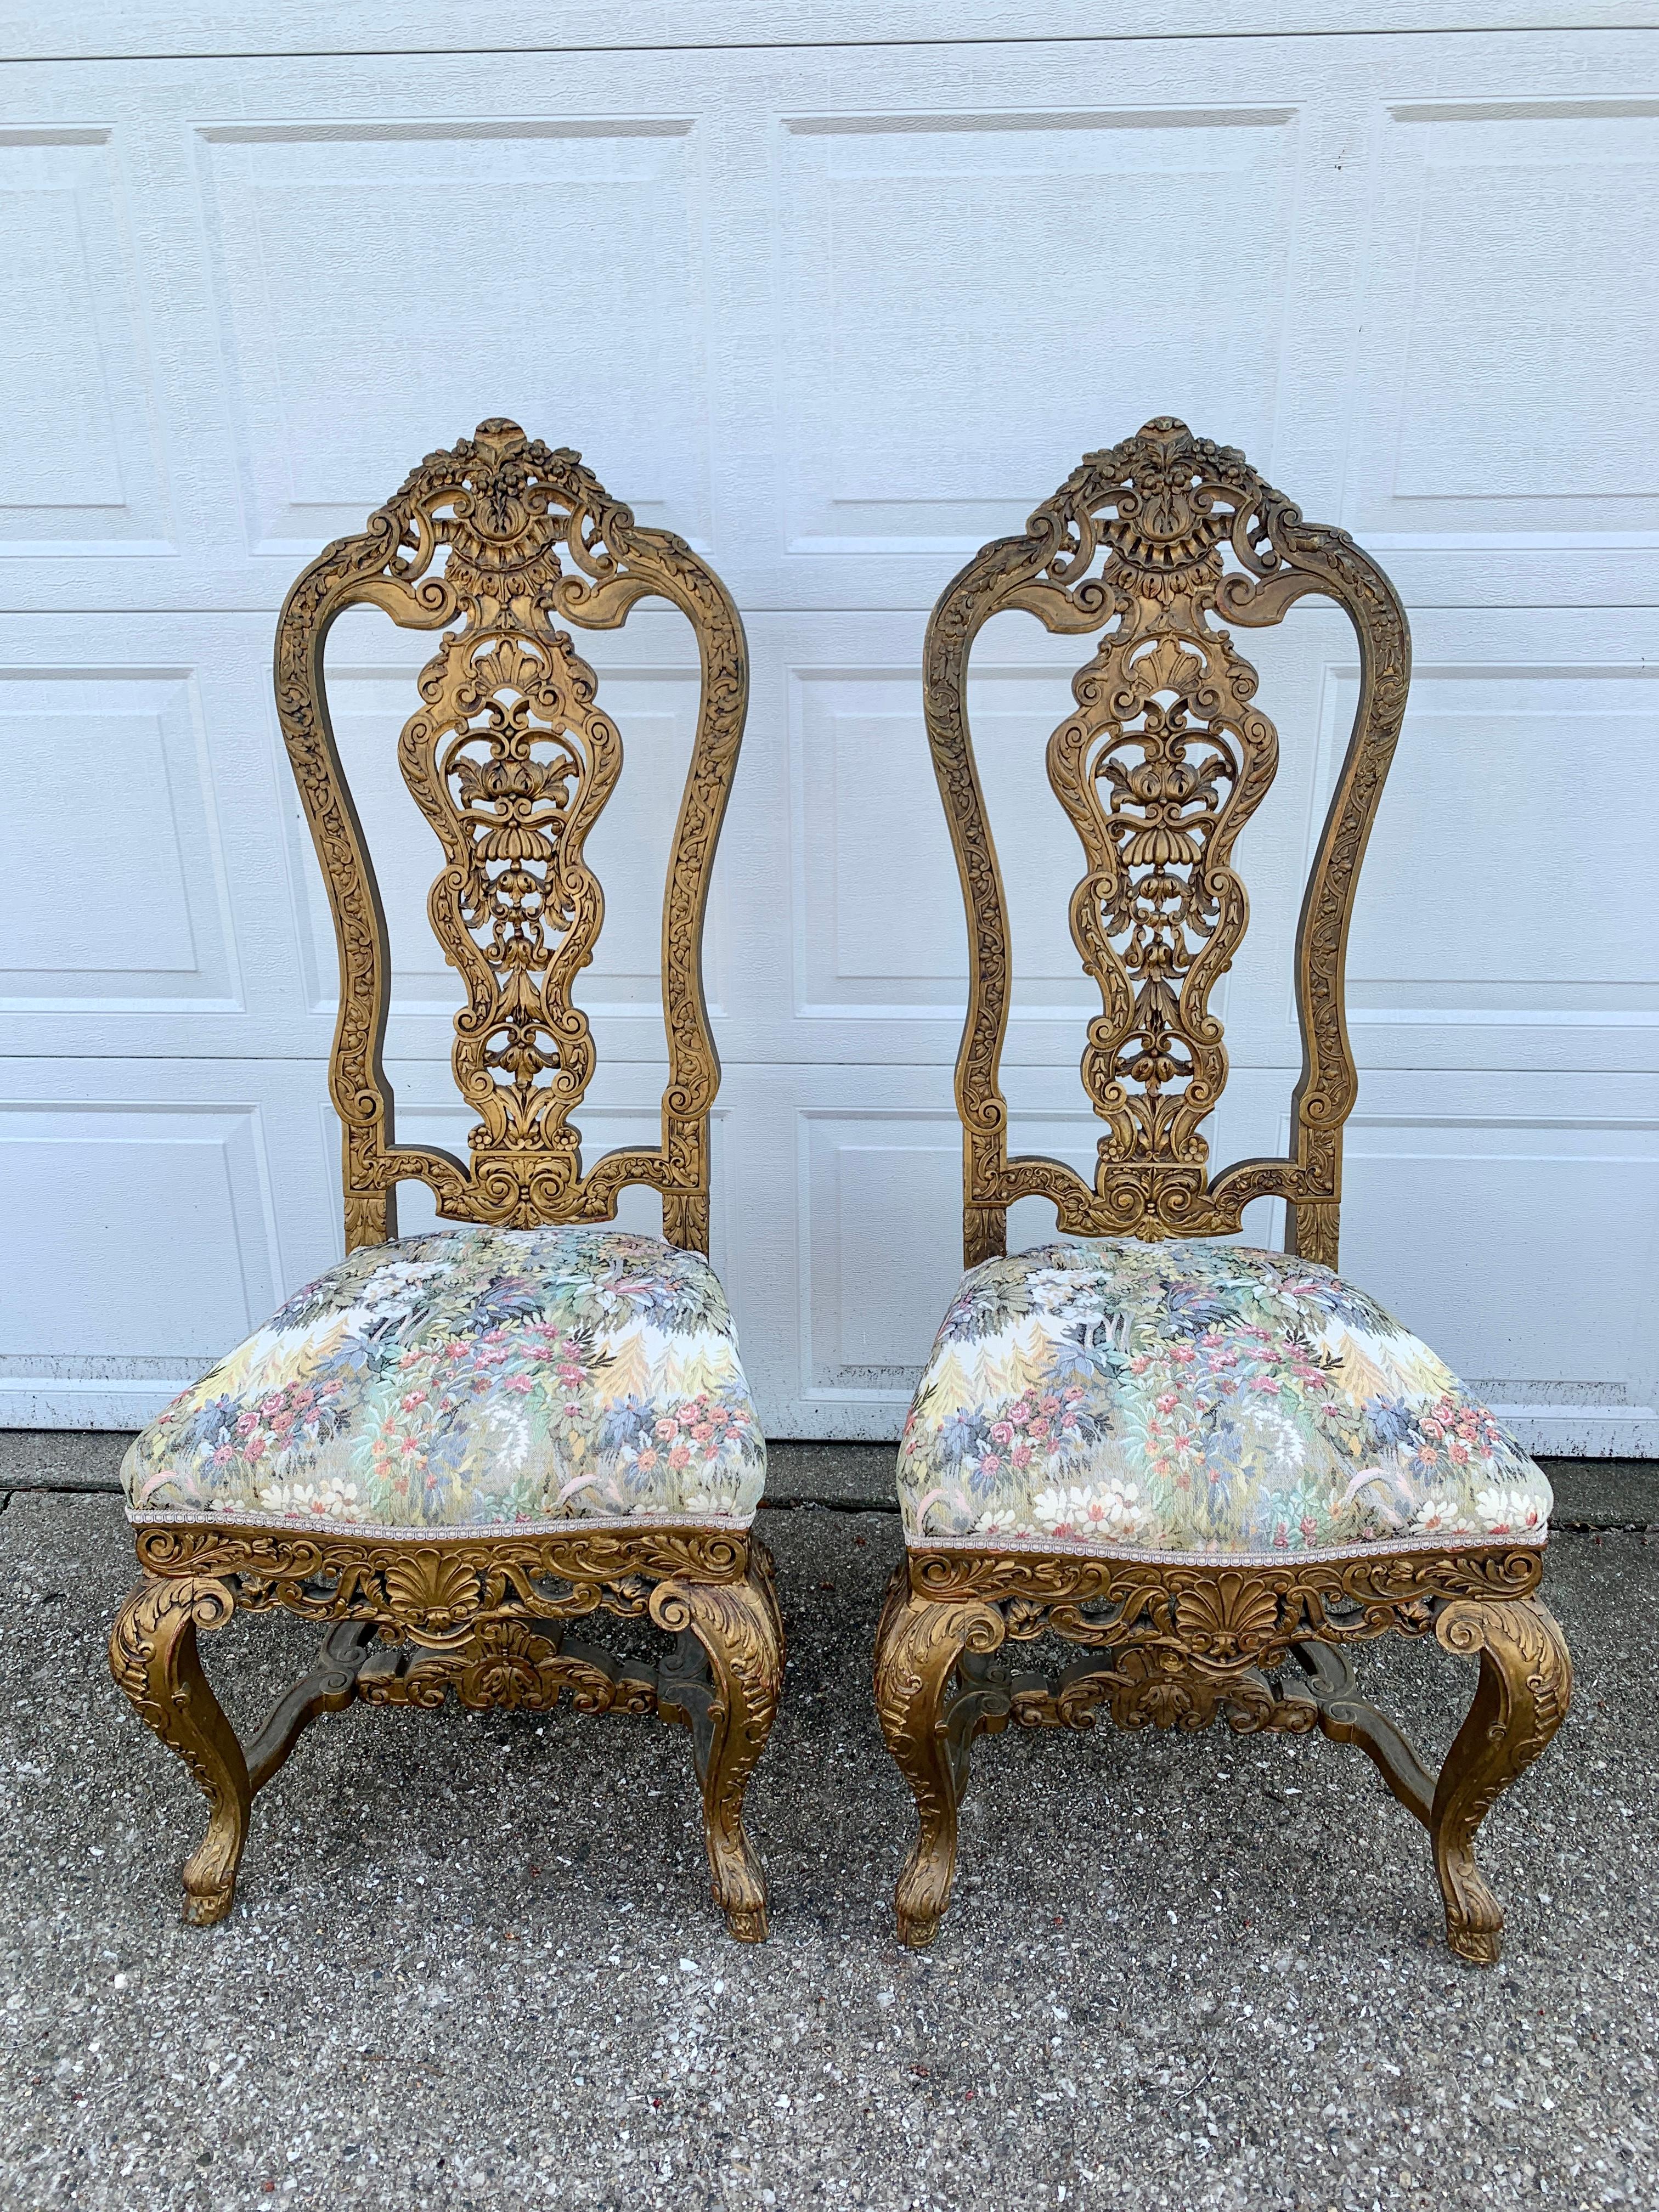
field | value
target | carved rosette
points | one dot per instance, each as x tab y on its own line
511	760
1156	543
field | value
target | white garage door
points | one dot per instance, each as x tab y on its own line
837	311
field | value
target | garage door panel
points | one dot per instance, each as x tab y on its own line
1504	232
1524	1250
149	929
83	475
722	324
147	1210
334	249
836	314
915	305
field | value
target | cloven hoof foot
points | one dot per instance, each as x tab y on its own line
747	1923
917	1933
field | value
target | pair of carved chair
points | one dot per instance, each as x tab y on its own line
1213	1469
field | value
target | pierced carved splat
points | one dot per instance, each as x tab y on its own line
1159	770
512	761
1162	544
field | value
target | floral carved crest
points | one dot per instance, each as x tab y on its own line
509	757
1158	545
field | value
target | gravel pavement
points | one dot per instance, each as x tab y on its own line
473	1960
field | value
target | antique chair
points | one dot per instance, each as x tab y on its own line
1215	1469
453	1446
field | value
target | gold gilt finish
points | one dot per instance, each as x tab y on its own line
484	1616
1160	767
512	761
1162	764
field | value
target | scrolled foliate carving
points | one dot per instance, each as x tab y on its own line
438	1586
1159	544
485	1618
498	543
1182	1644
1206	1633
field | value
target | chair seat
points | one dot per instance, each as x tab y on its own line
1198	1398
474	1378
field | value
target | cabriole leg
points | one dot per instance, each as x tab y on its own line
1520	1701
918	1646
741	1630
153	1656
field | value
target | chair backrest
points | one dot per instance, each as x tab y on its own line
1161	765
512	762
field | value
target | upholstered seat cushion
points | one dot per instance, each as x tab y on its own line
1195	1397
478	1377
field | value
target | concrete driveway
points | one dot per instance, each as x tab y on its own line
473	1960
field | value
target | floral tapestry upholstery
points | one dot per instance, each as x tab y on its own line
1199	1398
476	1378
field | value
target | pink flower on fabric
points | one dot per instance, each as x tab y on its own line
1001	1433
667	1427
1168	1402
410	1399
648	1459
519	1383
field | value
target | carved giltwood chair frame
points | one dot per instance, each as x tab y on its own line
530	536
1136	542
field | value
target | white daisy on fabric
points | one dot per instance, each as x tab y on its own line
331	1499
1509	1512
1440	1514
1110	1510
1002	1524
